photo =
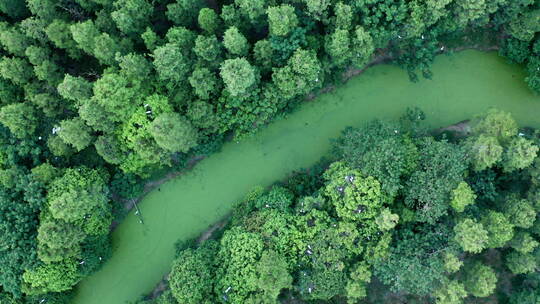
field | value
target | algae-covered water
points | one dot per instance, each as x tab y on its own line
463	85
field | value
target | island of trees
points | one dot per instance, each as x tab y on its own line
396	216
98	95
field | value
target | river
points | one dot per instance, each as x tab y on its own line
463	85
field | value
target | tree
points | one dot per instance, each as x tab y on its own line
344	16
59	240
117	95
84	34
519	155
462	196
471	236
499	229
75	88
20	118
302	74
520	213
273	275
356	289
496	123
452	263
208	20
109	148
453	292
317	8
387	220
415	262
441	166
486	151
238	75
171	65
235	42
192	275
18	228
59	34
355	197
281	19
237	258
76	133
77	194
184	12
520	263
173	132
253	9
362	47
106	48
480	280
207	48
338	46
16	69
52	277
204	82
132	16
523	242
13	40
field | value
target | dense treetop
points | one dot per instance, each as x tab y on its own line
96	95
334	234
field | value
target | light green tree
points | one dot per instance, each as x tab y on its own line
462	197
471	236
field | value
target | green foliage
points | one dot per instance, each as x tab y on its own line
204	82
519	155
235	42
499	229
520	213
191	275
462	197
238	75
441	166
452	292
173	132
471	236
486	151
355	197
281	19
300	76
520	263
184	12
498	124
208	20
52	277
132	16
480	280
523	242
75	133
130	87
20	118
415	263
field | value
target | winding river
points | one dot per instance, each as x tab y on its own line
463	85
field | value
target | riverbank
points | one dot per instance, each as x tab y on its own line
463	85
383	58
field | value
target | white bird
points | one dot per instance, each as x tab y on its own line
422	37
227	290
82	262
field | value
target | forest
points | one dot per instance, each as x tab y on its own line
395	216
98	96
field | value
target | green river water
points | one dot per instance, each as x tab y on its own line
463	85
